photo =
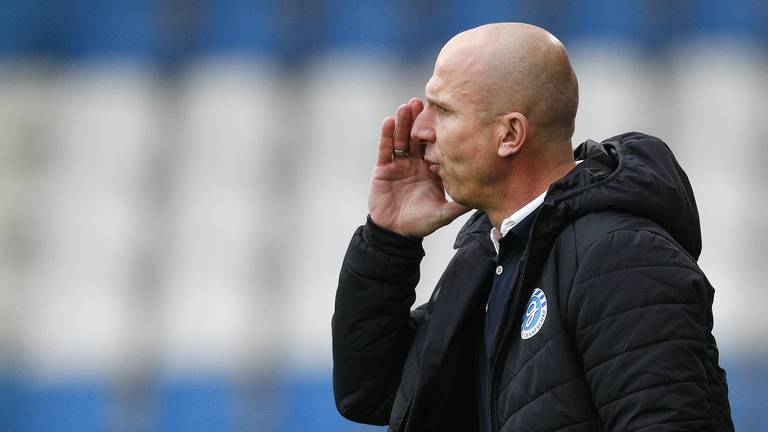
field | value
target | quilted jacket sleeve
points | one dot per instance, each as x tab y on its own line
373	326
640	313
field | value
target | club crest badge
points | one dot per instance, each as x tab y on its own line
534	315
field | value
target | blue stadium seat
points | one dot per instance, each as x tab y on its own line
110	28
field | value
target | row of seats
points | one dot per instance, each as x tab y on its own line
169	245
169	32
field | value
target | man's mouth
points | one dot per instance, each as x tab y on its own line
435	168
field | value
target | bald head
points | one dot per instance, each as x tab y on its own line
515	67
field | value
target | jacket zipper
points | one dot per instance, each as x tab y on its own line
501	342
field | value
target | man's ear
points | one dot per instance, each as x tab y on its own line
514	130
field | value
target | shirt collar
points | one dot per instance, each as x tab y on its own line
516	217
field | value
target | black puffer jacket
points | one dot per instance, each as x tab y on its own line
625	343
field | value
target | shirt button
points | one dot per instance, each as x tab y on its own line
499	269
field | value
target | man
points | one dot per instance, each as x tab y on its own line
573	302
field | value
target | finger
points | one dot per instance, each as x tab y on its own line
415	147
402	127
385	141
416	106
452	210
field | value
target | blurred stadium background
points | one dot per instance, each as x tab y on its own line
179	181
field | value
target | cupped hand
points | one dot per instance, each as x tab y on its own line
405	196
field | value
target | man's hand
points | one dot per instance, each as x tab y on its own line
405	196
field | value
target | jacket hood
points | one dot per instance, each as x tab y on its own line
631	173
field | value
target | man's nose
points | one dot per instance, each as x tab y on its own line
422	130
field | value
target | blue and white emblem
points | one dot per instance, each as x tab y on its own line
535	314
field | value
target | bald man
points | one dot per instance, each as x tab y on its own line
573	302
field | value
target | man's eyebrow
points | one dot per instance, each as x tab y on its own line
435	101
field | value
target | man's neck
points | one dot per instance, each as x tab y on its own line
523	190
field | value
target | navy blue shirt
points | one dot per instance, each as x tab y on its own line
511	250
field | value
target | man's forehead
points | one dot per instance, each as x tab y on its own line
452	86
434	86
459	65
439	90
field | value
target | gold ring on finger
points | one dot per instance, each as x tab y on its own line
400	153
